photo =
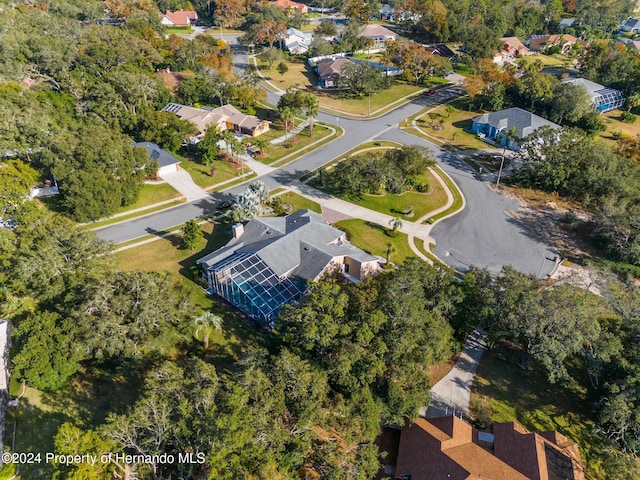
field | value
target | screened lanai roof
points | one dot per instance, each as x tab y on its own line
251	276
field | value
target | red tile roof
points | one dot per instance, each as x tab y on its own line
289	4
181	17
447	448
540	43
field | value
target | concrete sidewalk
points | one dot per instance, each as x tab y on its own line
451	395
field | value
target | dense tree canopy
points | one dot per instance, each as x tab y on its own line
375	173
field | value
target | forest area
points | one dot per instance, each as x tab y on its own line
308	398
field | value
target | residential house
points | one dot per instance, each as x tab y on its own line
167	163
512	47
441	49
387	12
296	41
492	127
629	43
632	25
290	4
379	34
448	448
270	261
226	117
498	58
179	18
603	98
539	43
394	14
329	71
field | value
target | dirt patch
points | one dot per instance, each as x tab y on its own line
439	371
556	221
170	79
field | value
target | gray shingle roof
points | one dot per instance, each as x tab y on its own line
522	121
163	157
298	246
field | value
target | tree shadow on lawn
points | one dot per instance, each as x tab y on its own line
379	228
96	391
35	429
220	235
526	395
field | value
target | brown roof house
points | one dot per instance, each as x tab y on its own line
287	4
329	71
179	18
512	47
379	34
540	43
448	448
226	117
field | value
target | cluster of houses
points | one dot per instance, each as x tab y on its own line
298	43
512	48
492	127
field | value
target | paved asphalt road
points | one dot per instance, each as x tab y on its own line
483	234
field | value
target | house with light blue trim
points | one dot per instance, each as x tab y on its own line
492	127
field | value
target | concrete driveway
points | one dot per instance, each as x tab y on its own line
451	395
182	182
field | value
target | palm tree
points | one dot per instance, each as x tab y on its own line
633	101
286	115
396	224
507	136
390	250
206	324
236	147
228	137
312	108
262	145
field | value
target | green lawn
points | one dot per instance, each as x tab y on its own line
529	398
373	239
301	75
166	255
201	174
360	105
422	203
302	139
449	126
457	196
390	204
179	30
299	202
419	243
614	123
86	401
151	193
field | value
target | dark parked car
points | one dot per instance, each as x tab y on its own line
226	205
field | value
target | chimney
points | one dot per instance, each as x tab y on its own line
238	230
